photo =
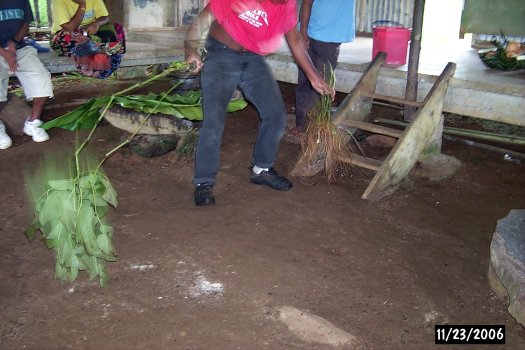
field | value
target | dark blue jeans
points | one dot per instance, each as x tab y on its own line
224	70
323	56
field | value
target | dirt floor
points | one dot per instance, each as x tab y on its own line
384	272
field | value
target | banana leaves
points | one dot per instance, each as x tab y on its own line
185	106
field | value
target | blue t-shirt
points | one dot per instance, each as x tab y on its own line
13	14
332	21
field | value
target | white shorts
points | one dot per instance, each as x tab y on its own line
33	75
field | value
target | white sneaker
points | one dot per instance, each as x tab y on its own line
5	140
34	130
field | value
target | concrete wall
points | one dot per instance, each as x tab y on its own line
187	9
150	13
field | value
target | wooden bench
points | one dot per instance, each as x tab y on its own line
138	54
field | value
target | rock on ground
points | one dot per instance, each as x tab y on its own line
437	167
507	262
314	329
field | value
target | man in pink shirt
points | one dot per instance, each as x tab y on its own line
241	33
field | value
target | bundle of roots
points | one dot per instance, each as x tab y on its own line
324	147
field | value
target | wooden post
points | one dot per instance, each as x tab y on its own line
413	58
49	16
37	13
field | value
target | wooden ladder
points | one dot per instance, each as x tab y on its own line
415	140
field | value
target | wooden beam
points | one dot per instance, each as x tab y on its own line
393	99
368	163
378	129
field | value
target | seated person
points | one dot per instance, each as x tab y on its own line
18	58
81	30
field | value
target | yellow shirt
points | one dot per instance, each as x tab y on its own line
64	10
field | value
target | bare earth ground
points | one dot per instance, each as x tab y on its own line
214	278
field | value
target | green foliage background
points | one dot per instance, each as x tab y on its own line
42	10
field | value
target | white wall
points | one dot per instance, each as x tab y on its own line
442	20
144	14
151	13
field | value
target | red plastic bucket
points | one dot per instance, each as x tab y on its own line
392	40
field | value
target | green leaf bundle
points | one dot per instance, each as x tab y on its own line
71	212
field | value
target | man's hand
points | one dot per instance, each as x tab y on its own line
194	59
194	34
319	85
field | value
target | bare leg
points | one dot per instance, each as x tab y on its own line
38	107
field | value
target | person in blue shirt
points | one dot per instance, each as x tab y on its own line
324	26
20	59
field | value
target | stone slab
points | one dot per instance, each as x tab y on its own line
507	262
314	329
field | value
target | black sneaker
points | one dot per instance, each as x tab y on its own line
203	194
272	179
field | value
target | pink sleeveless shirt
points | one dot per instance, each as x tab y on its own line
257	26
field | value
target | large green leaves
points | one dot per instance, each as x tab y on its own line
71	215
185	106
84	117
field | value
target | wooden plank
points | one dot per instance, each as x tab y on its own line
414	140
368	163
378	129
40	30
356	105
393	99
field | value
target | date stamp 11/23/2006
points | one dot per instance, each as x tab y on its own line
469	334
